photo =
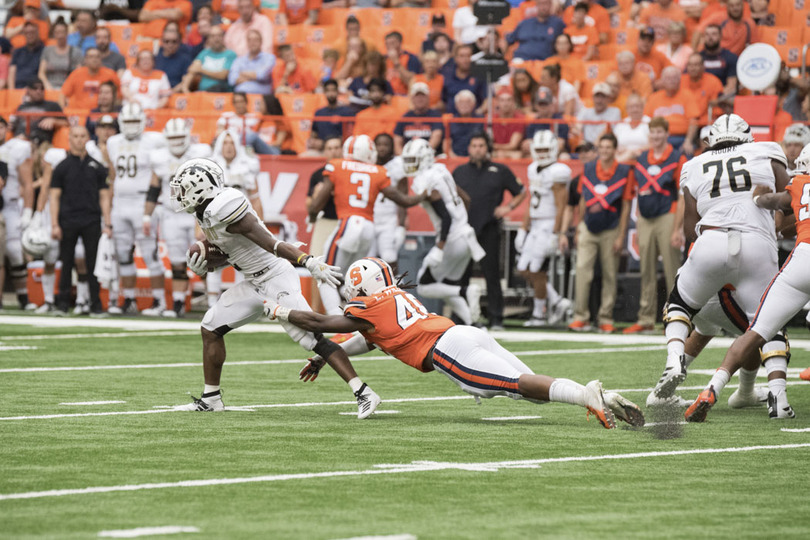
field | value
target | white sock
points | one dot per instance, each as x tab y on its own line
330	298
719	381
48	281
439	290
210	388
747	380
539	308
129	294
552	295
567	391
82	292
355	384
688	359
777	385
676	333
160	296
461	308
777	363
178	296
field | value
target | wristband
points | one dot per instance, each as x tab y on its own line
147	219
282	313
275	247
756	198
302	259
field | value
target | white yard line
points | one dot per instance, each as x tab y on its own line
4	348
147	531
792	430
385	537
375	412
102	335
508	418
404	468
92	402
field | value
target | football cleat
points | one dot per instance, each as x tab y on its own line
638	329
755	399
579	326
698	410
474	301
209	404
595	403
30	306
607	329
367	401
81	308
155	310
535	322
671	401
624	409
559	312
45	308
129	307
670	379
778	406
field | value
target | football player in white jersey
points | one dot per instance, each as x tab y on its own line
735	245
18	208
795	138
105	128
389	217
175	229
446	205
131	155
228	221
537	239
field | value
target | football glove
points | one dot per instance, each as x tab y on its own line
274	311
197	263
322	271
434	257
399	236
311	370
520	239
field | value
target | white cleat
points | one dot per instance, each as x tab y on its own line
670	379
671	401
624	409
367	401
81	309
757	398
44	309
595	403
156	310
474	301
535	322
559	312
30	306
778	406
212	404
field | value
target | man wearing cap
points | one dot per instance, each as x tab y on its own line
107	93
650	60
38	128
507	136
406	130
438	25
736	30
588	129
82	86
544	111
15	25
535	36
679	107
24	66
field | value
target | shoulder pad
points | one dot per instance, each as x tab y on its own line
199	150
773	151
228	206
54	156
560	172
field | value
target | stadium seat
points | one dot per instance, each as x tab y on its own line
125	32
255	103
185	102
14	98
295	107
759	112
334	17
211	102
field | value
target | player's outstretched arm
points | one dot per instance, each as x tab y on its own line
314	322
401	199
774	201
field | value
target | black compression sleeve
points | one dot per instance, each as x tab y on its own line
441	211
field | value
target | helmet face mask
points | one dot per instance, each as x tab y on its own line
367	276
132	120
544	148
417	155
730	128
803	161
360	148
194	182
177	135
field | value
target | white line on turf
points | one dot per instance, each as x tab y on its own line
648	424
4	348
147	531
91	402
375	412
415	466
506	418
101	335
386	537
792	430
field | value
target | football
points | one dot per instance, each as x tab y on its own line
215	257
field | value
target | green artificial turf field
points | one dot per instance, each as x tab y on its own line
294	462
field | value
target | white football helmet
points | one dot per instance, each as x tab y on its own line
366	277
417	155
360	148
797	133
195	181
730	128
132	120
178	136
36	241
803	161
544	147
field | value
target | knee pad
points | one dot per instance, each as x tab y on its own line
18	271
14	252
126	270
426	278
179	275
676	309
777	347
308	341
325	347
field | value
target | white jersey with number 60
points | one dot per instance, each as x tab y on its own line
132	160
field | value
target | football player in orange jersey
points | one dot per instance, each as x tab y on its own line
788	292
354	181
395	321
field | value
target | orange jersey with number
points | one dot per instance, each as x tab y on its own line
357	185
403	328
799	188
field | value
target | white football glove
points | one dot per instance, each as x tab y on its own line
274	311
25	219
322	271
434	257
197	263
520	239
399	236
553	244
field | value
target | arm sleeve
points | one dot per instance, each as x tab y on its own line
441	211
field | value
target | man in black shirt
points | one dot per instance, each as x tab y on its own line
39	128
3	177
79	197
485	182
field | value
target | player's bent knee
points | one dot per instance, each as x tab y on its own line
777	347
677	310
426	278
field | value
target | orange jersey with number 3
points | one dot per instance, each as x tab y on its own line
403	327
357	185
799	188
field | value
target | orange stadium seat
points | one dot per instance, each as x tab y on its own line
595	72
785	10
623	37
302	105
334	16
189	103
125	32
449	4
255	103
211	102
14	98
203	129
759	112
61	138
779	35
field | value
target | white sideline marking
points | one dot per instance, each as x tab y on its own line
375	412
792	430
92	402
387	537
414	466
648	424
147	531
101	335
506	418
4	348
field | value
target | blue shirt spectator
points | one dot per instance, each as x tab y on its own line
722	63
406	130
358	93
252	73
461	132
535	37
325	129
25	60
172	59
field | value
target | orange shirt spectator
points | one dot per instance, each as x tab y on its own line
705	89
81	86
298	11
659	15
289	76
155	13
736	29
632	80
583	39
228	8
14	25
652	63
596	14
680	109
375	120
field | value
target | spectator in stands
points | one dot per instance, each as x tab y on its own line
24	65
106	107
358	89
535	36
249	19
329	59
110	58
458	143
544	113
461	78
84	37
432	78
276	132
31	13
171	59
659	15
228	9
761	13
400	65
719	61
676	49
212	65
353	63
252	72
81	88
145	84
379	117
443	46
37	128
598	15
58	60
605	192
617	98
406	130
633	133
245	124
289	76
524	89
585	37
679	107
707	89
197	34
155	13
736	30
353	31
648	60
507	137
298	11
325	129
633	81
438	25
600	111
567	97
465	24
572	69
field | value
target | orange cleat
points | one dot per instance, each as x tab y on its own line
698	410
579	326
805	375
340	338
638	329
607	328
596	405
